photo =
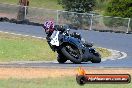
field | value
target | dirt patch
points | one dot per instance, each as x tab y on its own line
29	73
34	72
8	15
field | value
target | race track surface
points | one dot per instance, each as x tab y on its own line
116	41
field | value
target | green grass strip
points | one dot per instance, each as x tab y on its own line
18	48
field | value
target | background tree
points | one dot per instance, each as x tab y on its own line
100	6
118	8
121	8
77	5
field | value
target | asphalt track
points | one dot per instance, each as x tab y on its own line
116	41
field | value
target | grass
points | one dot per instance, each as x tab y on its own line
18	48
63	82
104	52
48	4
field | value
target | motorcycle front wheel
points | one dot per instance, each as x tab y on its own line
61	58
72	53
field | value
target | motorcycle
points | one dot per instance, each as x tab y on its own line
71	47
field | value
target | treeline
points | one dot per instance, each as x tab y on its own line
121	8
113	8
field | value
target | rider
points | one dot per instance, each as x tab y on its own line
49	28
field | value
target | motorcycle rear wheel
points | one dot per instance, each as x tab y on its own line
96	58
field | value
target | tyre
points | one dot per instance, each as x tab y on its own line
61	58
72	53
96	58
